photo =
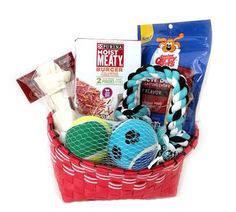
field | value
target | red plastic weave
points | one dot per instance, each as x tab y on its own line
79	179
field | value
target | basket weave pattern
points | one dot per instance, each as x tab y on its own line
79	179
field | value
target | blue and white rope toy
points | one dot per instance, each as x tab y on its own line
171	137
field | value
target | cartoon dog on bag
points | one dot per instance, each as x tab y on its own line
167	53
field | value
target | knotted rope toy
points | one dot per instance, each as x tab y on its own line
171	137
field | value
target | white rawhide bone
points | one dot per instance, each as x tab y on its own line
52	81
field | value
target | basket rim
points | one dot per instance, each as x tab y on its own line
53	136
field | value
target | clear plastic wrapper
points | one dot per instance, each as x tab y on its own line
55	81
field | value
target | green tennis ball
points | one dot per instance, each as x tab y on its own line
88	138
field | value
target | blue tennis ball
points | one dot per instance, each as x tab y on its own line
133	145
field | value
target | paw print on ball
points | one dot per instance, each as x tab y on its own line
116	151
132	137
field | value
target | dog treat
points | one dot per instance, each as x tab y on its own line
31	89
54	80
102	66
184	46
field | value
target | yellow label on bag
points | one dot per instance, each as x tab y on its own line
147	32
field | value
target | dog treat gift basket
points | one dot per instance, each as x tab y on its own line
122	112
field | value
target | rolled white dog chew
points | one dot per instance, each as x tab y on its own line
62	121
52	80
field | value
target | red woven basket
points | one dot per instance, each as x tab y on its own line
79	179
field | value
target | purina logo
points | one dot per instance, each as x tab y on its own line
110	46
110	55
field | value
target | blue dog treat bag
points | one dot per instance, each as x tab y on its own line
184	46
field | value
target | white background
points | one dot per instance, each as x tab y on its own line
32	32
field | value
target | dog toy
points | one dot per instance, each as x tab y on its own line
52	80
88	138
171	137
133	145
